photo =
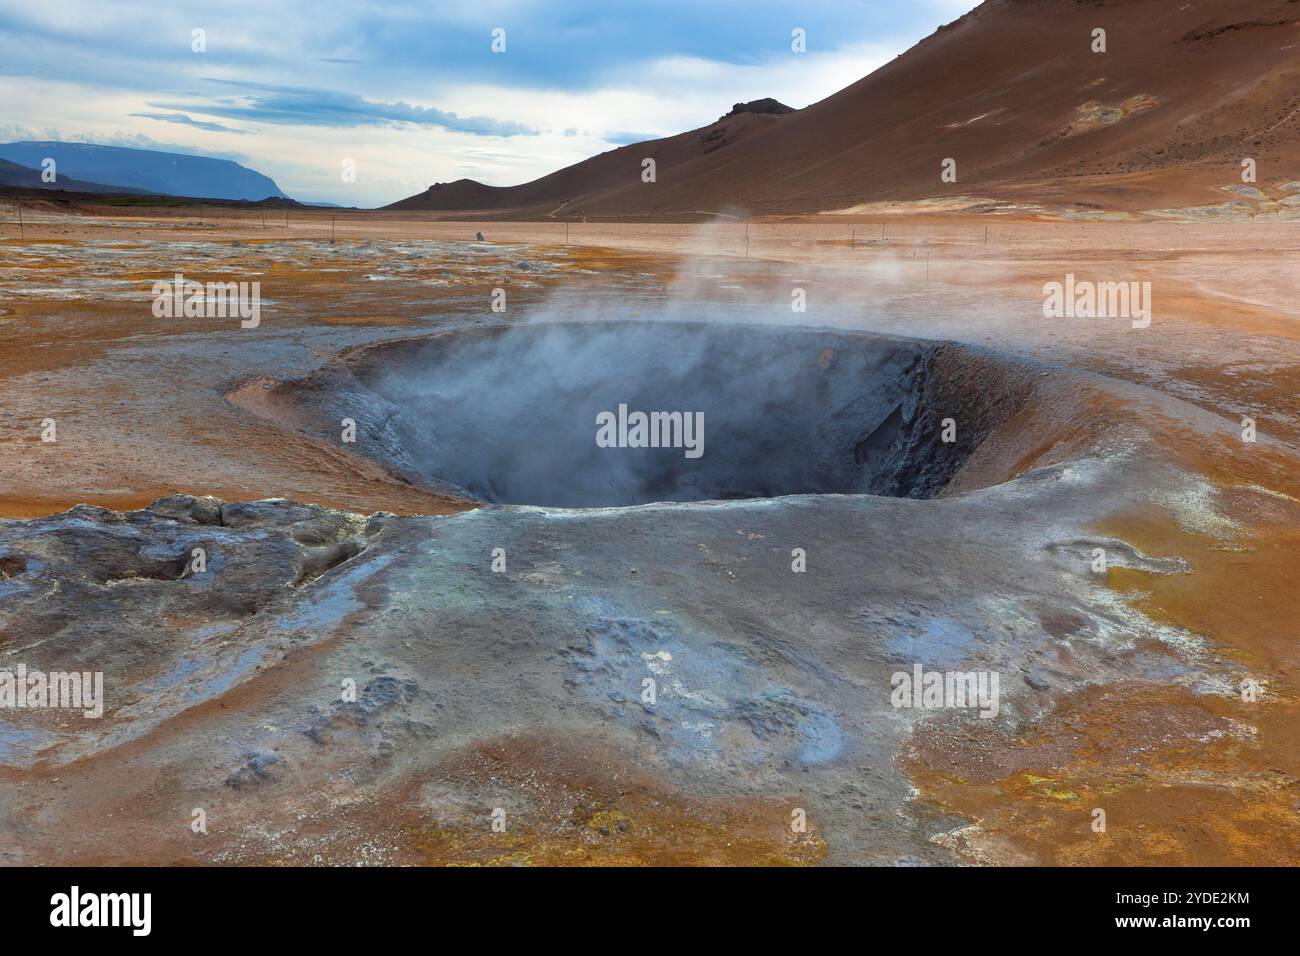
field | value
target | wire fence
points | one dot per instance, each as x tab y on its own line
823	236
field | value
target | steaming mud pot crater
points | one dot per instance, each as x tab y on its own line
598	414
774	689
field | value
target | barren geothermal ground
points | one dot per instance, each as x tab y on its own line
564	653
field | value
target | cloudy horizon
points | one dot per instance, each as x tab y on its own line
415	96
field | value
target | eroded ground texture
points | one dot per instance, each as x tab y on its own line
517	697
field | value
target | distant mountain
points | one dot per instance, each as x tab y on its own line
12	174
172	174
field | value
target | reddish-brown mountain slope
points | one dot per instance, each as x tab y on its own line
1014	93
603	173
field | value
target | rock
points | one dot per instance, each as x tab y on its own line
254	770
205	510
313	562
765	105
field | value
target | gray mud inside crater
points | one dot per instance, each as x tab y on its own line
512	414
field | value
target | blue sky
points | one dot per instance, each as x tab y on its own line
411	92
